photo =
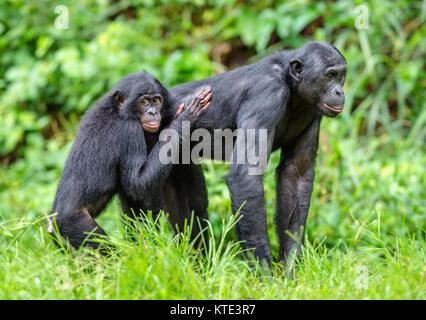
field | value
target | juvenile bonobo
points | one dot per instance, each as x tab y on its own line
286	93
116	152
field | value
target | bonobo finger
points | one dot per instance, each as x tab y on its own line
206	96
193	102
198	94
180	109
200	111
196	100
205	93
206	99
207	90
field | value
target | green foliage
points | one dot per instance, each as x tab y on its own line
49	71
368	206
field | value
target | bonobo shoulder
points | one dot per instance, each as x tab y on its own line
101	113
277	66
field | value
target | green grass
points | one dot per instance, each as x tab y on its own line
162	265
365	233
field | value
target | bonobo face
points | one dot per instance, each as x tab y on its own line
140	97
331	97
320	71
150	107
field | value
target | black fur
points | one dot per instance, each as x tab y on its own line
287	94
112	154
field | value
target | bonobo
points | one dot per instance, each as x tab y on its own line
287	94
116	152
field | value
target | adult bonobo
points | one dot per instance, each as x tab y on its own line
116	152
286	93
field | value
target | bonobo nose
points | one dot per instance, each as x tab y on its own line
152	111
338	92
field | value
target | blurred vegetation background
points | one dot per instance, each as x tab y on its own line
370	182
50	76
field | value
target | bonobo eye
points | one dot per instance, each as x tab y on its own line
157	100
145	101
330	75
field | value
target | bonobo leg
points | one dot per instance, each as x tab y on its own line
132	209
252	227
295	176
246	187
186	193
78	228
135	209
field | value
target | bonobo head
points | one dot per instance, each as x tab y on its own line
318	72
140	96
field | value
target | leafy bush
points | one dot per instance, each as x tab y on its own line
50	73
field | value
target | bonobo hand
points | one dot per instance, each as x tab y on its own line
199	103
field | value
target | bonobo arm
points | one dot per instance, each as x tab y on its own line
145	181
295	177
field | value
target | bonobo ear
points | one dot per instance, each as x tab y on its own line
119	97
296	69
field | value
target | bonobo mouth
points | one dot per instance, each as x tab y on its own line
151	126
335	109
